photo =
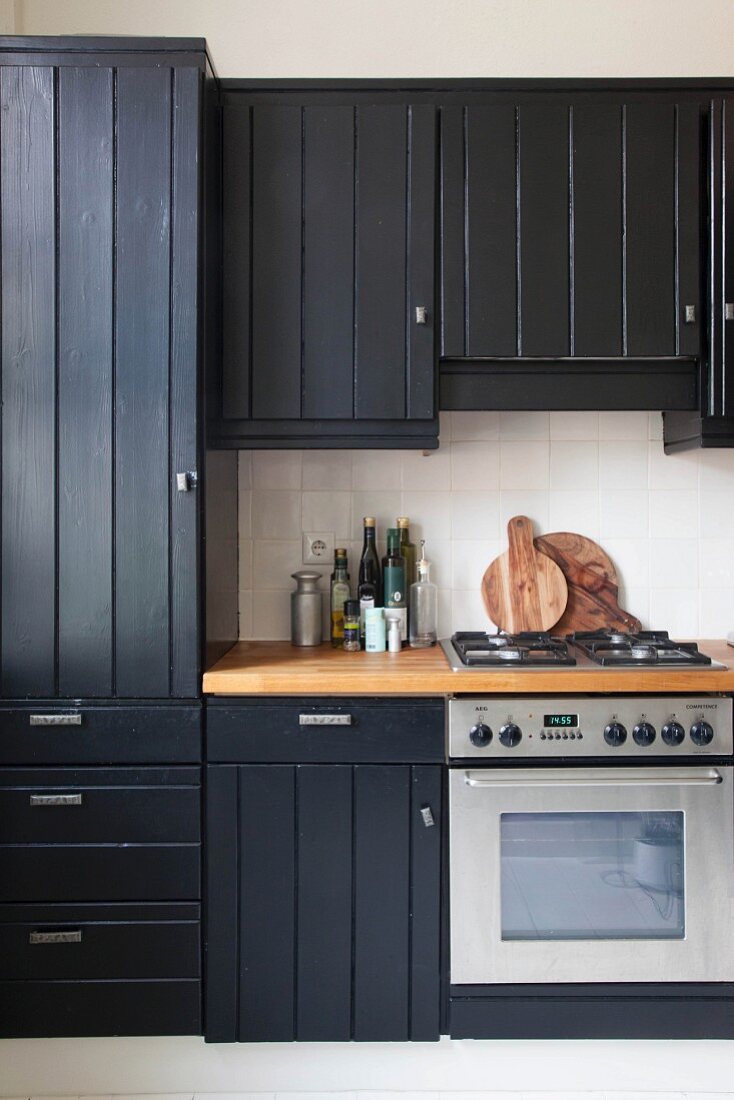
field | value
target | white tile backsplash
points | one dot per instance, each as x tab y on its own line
667	521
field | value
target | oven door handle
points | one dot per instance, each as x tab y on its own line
637	777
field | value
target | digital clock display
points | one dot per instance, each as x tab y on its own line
565	721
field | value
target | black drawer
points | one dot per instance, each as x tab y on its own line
100	806
373	730
83	734
37	1009
67	942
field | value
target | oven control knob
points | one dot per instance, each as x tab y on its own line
510	735
644	733
615	734
480	735
702	733
673	733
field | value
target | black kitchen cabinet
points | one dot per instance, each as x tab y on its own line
328	312
323	880
572	250
102	223
711	424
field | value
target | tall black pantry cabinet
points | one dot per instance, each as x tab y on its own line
108	263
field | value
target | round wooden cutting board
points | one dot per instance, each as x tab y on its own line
523	589
592	584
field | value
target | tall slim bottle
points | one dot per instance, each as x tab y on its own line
407	549
340	593
369	589
394	581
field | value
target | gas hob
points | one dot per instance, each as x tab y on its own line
589	649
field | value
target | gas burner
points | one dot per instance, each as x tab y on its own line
528	649
647	647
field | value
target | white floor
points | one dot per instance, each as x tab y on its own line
370	1095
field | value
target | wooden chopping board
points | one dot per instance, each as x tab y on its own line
593	587
523	589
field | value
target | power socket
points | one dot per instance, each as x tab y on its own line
318	547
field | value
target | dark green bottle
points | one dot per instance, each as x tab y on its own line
369	589
394	582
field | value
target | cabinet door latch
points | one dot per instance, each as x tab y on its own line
187	480
421	315
427	815
689	314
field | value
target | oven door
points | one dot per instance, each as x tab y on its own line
598	874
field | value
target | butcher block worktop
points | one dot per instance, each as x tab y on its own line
278	668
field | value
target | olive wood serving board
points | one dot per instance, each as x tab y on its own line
523	589
593	587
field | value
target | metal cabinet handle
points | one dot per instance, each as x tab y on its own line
694	777
324	719
421	315
56	937
690	315
428	819
729	311
55	719
56	800
186	480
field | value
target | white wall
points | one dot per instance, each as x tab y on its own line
405	38
422	37
665	520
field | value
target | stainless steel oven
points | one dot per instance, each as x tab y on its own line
591	840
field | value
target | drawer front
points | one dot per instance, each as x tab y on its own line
56	733
38	1009
321	731
105	872
100	806
66	949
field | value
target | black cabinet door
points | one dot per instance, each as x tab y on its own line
99	190
328	253
323	902
571	226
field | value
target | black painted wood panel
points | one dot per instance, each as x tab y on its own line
690	219
28	510
380	262
267	817
490	230
597	243
420	393
323	979
222	890
543	153
723	372
650	267
328	261
142	349
184	389
425	902
381	902
236	261
85	207
452	214
276	261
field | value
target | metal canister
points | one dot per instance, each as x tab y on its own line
306	611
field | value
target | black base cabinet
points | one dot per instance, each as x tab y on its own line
323	880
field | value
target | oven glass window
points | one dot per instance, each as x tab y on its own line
586	876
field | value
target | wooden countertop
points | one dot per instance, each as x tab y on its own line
278	668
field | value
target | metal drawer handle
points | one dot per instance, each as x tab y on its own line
56	719
56	937
694	778
324	719
56	800
428	819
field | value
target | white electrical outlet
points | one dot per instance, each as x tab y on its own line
318	547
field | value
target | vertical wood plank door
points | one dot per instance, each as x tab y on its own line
571	226
334	927
99	189
331	210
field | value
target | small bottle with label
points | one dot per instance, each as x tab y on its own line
351	626
394	583
374	640
340	593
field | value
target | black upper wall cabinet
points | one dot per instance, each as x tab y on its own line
571	227
101	213
328	324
